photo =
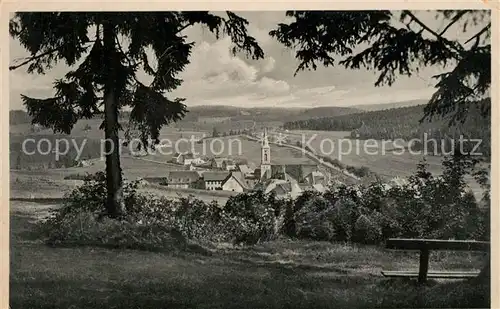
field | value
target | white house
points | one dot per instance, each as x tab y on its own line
235	183
181	179
214	180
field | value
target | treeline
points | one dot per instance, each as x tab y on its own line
18	117
263	114
21	117
41	155
395	117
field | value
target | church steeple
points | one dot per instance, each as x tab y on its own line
265	141
265	159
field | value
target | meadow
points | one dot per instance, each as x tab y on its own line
379	156
281	273
235	147
53	183
278	274
389	163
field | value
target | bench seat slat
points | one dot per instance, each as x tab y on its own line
432	274
437	244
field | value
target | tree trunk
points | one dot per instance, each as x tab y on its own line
114	203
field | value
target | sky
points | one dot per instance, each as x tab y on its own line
216	77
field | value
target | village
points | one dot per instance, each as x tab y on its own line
227	174
265	158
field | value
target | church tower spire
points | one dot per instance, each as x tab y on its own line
265	159
265	141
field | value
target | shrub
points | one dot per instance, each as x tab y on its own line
343	218
424	206
255	217
313	219
149	221
367	230
85	228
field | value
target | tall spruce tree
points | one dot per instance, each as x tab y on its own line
106	80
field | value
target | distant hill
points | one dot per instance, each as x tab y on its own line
327	111
378	107
264	113
399	123
233	113
18	117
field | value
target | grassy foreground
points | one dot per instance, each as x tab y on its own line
281	274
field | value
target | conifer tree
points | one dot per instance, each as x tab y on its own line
103	77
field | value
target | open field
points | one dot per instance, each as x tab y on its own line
235	147
384	161
132	169
280	274
380	157
51	183
387	164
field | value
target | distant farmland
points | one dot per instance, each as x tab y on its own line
235	147
361	153
388	165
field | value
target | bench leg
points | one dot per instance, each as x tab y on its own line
424	265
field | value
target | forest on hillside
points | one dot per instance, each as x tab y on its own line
40	155
258	114
18	117
401	123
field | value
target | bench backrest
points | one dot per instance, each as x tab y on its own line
437	244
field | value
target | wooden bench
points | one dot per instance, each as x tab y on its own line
425	246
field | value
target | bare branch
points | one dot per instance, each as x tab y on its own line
184	27
437	35
421	24
14	67
123	52
453	21
477	35
28	60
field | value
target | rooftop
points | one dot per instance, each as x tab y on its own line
215	176
182	176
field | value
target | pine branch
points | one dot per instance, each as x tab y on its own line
421	24
163	54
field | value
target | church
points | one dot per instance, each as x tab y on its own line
288	179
